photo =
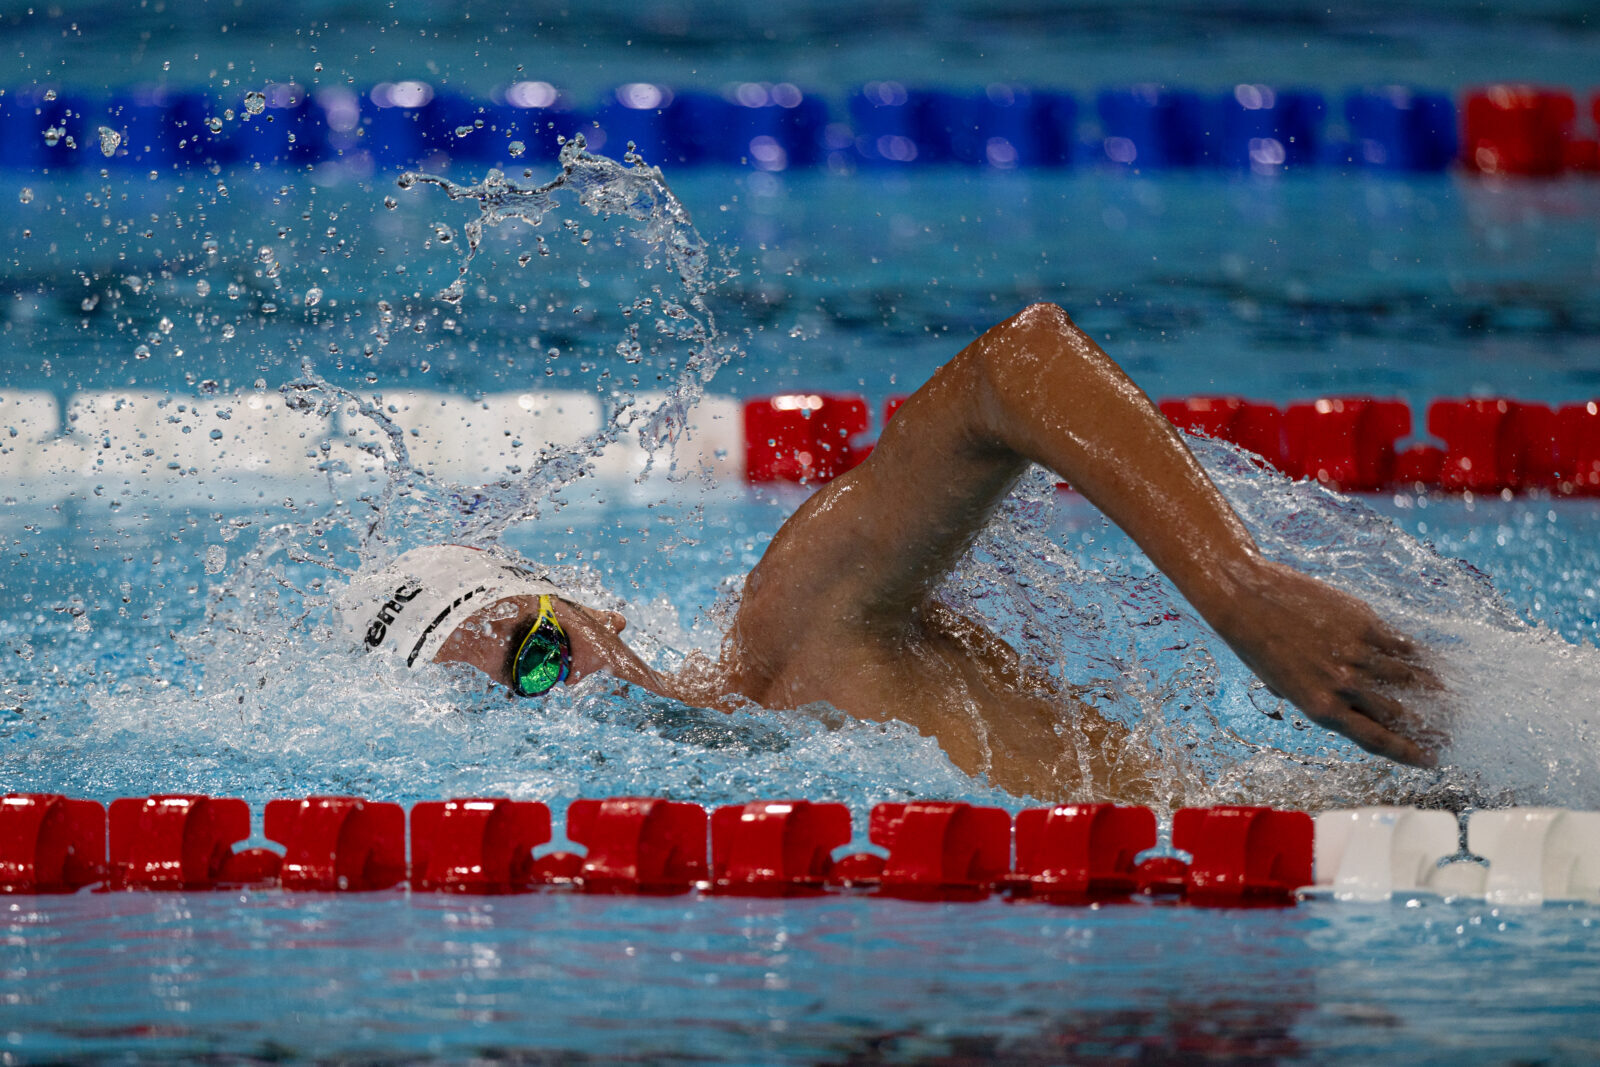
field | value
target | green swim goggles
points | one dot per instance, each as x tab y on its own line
544	655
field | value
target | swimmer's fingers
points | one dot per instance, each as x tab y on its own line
1399	672
1419	741
1397	660
1393	642
1411	658
1364	730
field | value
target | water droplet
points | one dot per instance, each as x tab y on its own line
313	297
202	287
390	202
53	135
209	387
516	148
228	114
26	195
214	124
166	64
255	102
216	435
216	555
49	94
109	140
265	253
227	332
165	325
462	131
142	352
316	68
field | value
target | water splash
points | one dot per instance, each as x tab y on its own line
638	193
239	701
683	338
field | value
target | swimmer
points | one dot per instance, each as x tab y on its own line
842	607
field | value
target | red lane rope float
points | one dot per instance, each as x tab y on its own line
50	844
1078	853
938	850
1244	855
178	841
477	845
802	437
1252	426
1349	443
1524	131
776	848
338	842
924	850
639	845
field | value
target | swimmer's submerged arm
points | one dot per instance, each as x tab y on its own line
1036	389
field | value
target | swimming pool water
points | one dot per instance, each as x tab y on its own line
389	978
118	685
1278	288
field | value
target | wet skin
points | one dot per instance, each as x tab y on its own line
841	608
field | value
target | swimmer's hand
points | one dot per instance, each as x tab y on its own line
1330	655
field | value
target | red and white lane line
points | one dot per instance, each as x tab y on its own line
1352	443
1230	856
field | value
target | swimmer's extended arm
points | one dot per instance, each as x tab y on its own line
1035	389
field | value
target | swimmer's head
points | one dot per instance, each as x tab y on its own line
449	603
410	608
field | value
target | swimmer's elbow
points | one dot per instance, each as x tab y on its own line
1039	360
1029	346
1042	314
1039	331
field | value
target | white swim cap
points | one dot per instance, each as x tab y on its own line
412	606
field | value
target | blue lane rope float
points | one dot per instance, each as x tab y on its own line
1517	130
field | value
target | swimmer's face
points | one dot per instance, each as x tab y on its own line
486	639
